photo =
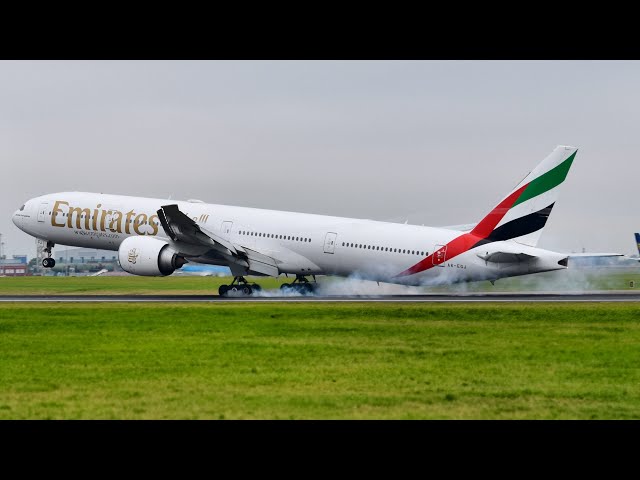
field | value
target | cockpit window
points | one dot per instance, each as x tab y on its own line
22	208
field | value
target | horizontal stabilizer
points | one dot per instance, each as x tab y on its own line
466	227
506	257
594	255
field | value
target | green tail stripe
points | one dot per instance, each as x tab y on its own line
546	182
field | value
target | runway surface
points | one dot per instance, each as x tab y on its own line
605	296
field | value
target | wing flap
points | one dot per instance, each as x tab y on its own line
180	228
261	263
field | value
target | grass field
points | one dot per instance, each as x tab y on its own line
569	280
319	361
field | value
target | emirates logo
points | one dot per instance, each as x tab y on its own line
133	256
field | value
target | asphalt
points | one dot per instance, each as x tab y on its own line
608	296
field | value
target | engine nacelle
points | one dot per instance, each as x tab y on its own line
148	256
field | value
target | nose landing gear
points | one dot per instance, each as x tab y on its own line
49	262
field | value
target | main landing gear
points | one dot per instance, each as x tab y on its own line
49	262
300	285
238	286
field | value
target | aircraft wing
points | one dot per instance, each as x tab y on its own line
182	229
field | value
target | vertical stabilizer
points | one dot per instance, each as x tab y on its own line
523	213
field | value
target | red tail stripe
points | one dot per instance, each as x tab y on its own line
467	240
489	223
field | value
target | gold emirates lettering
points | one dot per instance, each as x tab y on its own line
112	220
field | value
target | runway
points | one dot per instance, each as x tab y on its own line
526	297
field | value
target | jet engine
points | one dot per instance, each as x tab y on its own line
148	256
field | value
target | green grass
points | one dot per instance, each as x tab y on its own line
572	280
125	285
323	360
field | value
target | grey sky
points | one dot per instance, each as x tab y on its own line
437	143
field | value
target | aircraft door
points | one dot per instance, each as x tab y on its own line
439	255
330	242
226	228
42	211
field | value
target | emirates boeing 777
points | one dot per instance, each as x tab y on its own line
155	237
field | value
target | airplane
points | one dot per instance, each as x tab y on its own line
156	237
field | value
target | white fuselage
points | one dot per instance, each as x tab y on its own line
303	244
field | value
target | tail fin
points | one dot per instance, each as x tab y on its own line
638	242
523	213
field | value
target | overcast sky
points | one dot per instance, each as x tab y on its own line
431	142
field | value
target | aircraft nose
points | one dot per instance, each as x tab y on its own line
16	219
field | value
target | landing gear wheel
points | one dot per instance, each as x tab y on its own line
48	262
300	285
238	287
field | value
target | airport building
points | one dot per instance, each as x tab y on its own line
74	261
14	267
73	255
